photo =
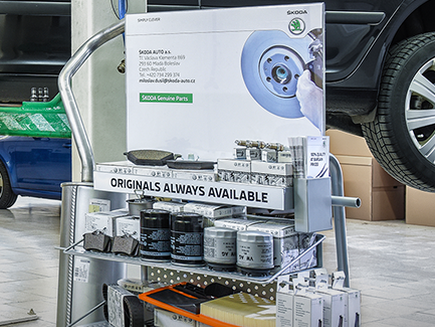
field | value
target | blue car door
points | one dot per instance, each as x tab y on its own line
42	163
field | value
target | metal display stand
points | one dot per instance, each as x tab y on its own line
66	306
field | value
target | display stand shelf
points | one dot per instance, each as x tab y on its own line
203	270
110	181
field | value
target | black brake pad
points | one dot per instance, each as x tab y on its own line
125	245
97	241
149	157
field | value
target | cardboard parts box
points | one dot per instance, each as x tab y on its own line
420	207
382	197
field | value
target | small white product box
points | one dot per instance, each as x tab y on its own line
285	240
310	156
233	170
152	171
128	225
118	167
238	224
269	155
284	309
308	310
240	153
208	210
170	206
269	173
238	211
195	175
284	156
102	221
253	154
353	306
115	310
317	154
163	318
334	307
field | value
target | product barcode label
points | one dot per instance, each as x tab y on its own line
81	270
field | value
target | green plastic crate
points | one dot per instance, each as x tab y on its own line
36	119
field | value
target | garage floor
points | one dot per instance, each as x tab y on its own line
391	263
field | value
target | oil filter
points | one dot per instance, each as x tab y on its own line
187	238
254	252
136	205
155	234
220	248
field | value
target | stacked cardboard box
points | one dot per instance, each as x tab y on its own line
382	197
420	207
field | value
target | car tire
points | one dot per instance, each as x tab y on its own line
402	136
7	196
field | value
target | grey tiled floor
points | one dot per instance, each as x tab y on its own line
29	231
392	263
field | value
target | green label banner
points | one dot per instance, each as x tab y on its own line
167	97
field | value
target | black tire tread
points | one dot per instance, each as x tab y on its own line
380	136
8	197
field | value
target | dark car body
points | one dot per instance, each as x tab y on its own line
36	166
358	36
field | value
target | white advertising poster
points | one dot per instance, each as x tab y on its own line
199	80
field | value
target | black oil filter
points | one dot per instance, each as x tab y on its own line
155	234
187	236
220	248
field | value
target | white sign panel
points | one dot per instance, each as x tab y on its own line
224	193
199	80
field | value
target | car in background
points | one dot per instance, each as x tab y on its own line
35	43
31	166
380	76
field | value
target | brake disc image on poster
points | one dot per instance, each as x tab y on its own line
199	80
273	65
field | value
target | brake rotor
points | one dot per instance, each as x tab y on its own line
270	67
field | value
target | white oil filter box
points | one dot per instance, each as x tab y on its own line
308	310
270	173
170	206
129	225
334	307
285	240
234	170
238	224
102	221
208	210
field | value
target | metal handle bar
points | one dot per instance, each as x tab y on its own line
72	111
